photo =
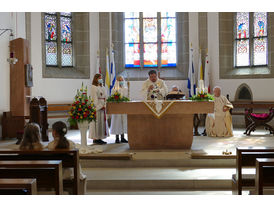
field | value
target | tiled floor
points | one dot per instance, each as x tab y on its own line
208	145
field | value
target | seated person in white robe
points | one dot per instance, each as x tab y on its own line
119	121
153	87
219	123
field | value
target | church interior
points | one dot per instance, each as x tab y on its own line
47	58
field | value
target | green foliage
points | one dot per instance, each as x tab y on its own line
202	97
117	97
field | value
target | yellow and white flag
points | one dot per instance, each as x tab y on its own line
200	70
107	79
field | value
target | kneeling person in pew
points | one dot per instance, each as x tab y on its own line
59	130
219	123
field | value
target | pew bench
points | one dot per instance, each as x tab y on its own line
59	110
246	158
264	174
69	158
13	186
48	173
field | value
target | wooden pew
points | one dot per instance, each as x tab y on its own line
9	185
69	157
59	110
264	174
246	157
48	173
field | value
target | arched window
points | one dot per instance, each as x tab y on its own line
150	39
251	40
58	39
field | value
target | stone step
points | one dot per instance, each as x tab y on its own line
159	178
160	192
91	163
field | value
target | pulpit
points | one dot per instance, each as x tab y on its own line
171	129
20	92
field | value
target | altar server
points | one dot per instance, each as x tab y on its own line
98	129
119	121
219	123
153	87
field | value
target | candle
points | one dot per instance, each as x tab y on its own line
201	82
196	90
206	90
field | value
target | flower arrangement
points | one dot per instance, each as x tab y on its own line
202	96
202	93
117	97
82	108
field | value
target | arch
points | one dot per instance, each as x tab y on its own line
243	93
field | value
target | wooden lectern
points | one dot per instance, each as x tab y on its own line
174	130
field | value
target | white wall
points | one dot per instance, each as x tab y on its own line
16	22
59	90
261	88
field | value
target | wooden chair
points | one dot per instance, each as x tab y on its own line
256	120
264	174
17	186
69	157
246	157
48	173
39	115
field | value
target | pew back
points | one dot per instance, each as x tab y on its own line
69	157
246	157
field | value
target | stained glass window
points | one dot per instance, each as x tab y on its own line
251	47
260	24
242	52
168	39
51	53
132	55
50	27
58	39
150	30
242	25
132	39
153	44
150	55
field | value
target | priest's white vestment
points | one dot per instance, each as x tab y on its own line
159	91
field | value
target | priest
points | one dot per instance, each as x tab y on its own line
153	87
219	123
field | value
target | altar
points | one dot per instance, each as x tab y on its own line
171	127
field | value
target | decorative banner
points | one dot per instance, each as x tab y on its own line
158	107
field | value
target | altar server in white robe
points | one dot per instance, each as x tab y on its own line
219	123
153	87
99	130
119	121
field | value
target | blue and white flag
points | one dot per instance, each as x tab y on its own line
112	71
191	75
